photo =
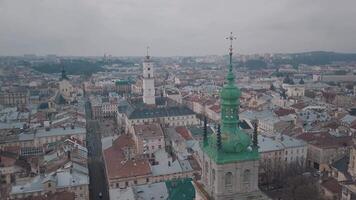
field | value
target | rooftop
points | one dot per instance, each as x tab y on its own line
140	113
152	130
117	166
325	140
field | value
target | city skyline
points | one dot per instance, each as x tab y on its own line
125	28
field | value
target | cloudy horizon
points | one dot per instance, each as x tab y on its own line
175	28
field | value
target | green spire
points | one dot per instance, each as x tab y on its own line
230	144
230	76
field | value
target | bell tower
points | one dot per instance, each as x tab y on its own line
230	161
148	81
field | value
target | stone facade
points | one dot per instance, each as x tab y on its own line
230	181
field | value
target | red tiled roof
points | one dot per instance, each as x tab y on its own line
56	196
13	149
183	131
283	112
353	126
332	125
325	140
332	185
215	108
299	106
7	161
117	166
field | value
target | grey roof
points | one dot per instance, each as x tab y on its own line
122	194
348	119
62	178
163	168
342	164
152	191
160	112
267	144
11	125
52	132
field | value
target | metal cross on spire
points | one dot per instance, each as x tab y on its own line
231	38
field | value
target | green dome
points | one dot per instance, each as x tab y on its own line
230	92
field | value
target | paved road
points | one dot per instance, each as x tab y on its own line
95	162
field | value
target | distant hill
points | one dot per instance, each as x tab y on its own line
314	58
74	67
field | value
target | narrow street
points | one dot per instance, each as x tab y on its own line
96	166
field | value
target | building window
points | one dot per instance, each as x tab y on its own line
206	167
228	179
135	182
247	174
213	175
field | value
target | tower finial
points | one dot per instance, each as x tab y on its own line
231	38
230	75
147	52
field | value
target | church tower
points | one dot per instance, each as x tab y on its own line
230	161
148	81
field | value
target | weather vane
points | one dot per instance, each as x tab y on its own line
231	38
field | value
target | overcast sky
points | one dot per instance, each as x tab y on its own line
175	27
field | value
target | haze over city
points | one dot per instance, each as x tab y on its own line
171	28
177	100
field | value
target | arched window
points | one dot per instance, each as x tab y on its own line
228	179
213	175
246	176
206	167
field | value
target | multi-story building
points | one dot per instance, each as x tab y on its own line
148	138
279	153
109	107
14	97
125	168
324	148
167	116
40	137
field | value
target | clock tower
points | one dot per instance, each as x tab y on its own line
148	81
